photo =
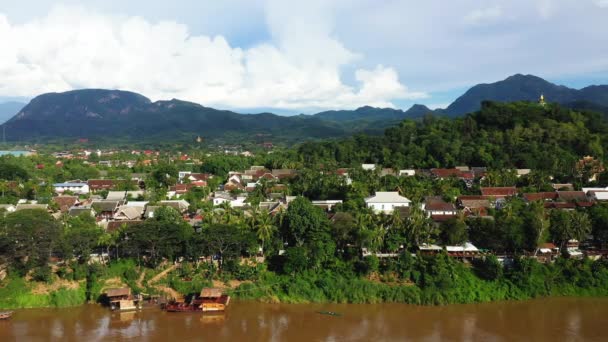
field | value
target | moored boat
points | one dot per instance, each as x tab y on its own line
6	314
209	300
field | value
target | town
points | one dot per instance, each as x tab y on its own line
466	212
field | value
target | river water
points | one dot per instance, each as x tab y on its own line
554	319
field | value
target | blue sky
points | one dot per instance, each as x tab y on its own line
298	56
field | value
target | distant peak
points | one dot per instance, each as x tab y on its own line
519	77
419	106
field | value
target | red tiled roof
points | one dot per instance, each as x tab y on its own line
540	196
438	204
503	191
342	171
572	196
467	175
65	202
181	188
445	173
100	184
200	176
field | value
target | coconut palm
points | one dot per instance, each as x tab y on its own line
265	228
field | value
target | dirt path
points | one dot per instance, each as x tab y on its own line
171	292
140	279
162	274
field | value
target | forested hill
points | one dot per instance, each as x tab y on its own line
111	115
527	88
367	113
519	134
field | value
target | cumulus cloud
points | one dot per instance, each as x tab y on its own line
301	67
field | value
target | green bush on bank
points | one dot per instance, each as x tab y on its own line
437	281
16	293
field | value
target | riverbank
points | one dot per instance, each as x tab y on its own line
428	281
442	281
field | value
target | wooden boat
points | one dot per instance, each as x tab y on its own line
329	313
6	314
209	300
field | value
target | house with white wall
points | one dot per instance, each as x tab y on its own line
386	201
76	188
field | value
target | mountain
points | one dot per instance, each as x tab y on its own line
373	113
587	106
112	115
8	110
524	88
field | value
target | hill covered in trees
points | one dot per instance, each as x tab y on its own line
526	88
519	134
108	115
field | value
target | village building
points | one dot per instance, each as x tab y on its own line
65	202
326	205
75	188
572	196
179	205
474	205
24	206
105	209
96	185
79	210
386	201
436	207
368	167
499	192
131	211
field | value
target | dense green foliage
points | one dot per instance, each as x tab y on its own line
520	134
436	280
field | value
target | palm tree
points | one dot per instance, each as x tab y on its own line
265	228
418	226
581	225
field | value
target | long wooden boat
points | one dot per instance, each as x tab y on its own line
209	300
6	314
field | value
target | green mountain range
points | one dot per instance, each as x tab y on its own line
115	115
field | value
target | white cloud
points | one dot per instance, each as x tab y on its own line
300	68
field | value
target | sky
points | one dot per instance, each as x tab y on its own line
297	56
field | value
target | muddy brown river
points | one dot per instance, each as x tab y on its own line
554	319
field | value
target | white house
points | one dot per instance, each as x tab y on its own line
368	167
222	197
386	201
407	173
76	188
597	194
183	174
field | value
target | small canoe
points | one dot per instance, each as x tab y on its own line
329	313
6	314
